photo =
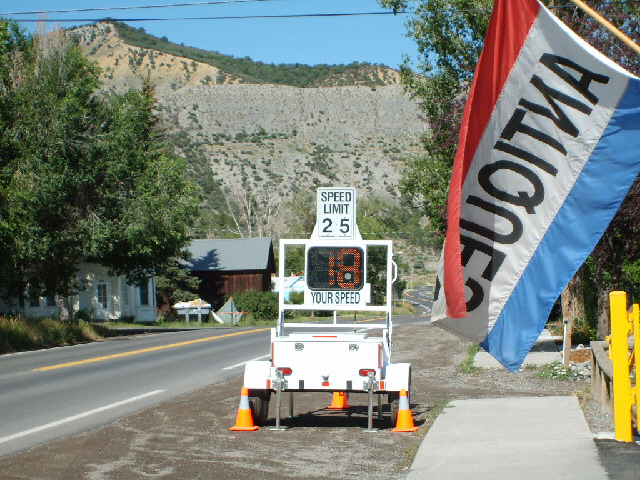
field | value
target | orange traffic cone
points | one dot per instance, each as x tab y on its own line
405	420
340	401
244	420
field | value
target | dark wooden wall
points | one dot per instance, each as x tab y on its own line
216	285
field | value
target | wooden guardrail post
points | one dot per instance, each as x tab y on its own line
619	354
601	375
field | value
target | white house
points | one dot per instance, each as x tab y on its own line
105	298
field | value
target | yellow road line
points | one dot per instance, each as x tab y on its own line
145	350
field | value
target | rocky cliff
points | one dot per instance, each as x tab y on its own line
243	136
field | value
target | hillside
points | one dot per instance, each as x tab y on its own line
244	134
246	70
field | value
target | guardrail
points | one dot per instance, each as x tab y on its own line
602	375
612	373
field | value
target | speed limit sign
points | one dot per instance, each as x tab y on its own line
336	213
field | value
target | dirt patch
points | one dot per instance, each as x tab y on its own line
580	356
189	437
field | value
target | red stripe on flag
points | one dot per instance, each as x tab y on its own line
509	27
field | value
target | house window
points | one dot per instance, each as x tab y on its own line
125	295
51	301
144	294
101	293
34	300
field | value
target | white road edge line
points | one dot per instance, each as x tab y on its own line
77	417
247	361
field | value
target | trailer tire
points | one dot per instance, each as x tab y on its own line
394	402
259	404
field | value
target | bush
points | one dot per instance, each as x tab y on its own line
261	305
296	298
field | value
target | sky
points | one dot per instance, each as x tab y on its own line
307	40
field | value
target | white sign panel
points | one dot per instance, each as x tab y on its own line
336	213
338	299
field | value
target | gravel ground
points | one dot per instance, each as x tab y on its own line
189	437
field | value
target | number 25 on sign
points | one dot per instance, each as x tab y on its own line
336	212
327	225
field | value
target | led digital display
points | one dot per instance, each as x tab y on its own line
335	268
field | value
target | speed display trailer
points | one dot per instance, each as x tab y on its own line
333	356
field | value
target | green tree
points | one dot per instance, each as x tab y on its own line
174	283
82	175
615	259
449	35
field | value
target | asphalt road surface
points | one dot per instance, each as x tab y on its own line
188	436
421	298
54	393
49	394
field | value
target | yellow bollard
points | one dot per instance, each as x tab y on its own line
619	353
635	320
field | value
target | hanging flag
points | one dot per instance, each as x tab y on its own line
549	146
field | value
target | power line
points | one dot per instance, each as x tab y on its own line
228	2
136	7
236	17
230	17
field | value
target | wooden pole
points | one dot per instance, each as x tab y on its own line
608	25
572	300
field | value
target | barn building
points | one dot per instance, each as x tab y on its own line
230	266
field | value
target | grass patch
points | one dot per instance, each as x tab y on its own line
404	309
557	371
18	334
165	323
467	366
432	414
248	321
410	453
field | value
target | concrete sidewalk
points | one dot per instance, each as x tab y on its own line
545	350
506	438
516	437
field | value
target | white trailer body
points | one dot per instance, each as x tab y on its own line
340	361
332	356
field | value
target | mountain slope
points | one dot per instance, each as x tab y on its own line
267	138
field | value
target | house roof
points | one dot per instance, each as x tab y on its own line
230	254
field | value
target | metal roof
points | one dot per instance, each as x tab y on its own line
229	254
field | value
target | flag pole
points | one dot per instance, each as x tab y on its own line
608	25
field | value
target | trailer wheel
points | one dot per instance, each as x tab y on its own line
394	402
259	404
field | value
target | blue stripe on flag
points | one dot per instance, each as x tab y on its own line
577	228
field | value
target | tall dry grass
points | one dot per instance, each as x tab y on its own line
19	333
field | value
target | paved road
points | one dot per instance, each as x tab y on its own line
54	393
49	394
420	297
